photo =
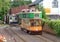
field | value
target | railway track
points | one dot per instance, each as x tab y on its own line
10	34
47	37
2	33
11	30
43	38
18	35
40	37
21	36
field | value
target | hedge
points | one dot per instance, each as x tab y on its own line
55	25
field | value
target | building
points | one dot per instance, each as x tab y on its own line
52	8
13	16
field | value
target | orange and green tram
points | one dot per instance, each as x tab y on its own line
31	22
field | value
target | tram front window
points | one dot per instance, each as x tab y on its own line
35	23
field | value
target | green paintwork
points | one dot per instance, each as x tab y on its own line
40	15
29	15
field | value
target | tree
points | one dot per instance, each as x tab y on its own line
40	7
16	3
4	8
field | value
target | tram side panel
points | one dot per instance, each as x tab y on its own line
25	24
27	27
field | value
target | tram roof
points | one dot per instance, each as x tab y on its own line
30	12
35	2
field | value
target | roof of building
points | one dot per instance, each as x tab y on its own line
17	9
35	2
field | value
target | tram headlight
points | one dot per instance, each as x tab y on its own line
36	29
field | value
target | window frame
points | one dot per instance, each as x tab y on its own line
55	4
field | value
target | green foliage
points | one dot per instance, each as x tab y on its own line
45	21
55	25
4	8
19	3
40	7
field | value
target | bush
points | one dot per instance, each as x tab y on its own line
1	22
55	25
45	21
41	8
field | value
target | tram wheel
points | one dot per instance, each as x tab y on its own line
27	31
30	32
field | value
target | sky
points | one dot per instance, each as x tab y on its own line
11	0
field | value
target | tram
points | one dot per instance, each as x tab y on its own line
31	22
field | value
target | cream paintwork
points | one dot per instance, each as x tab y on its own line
30	28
